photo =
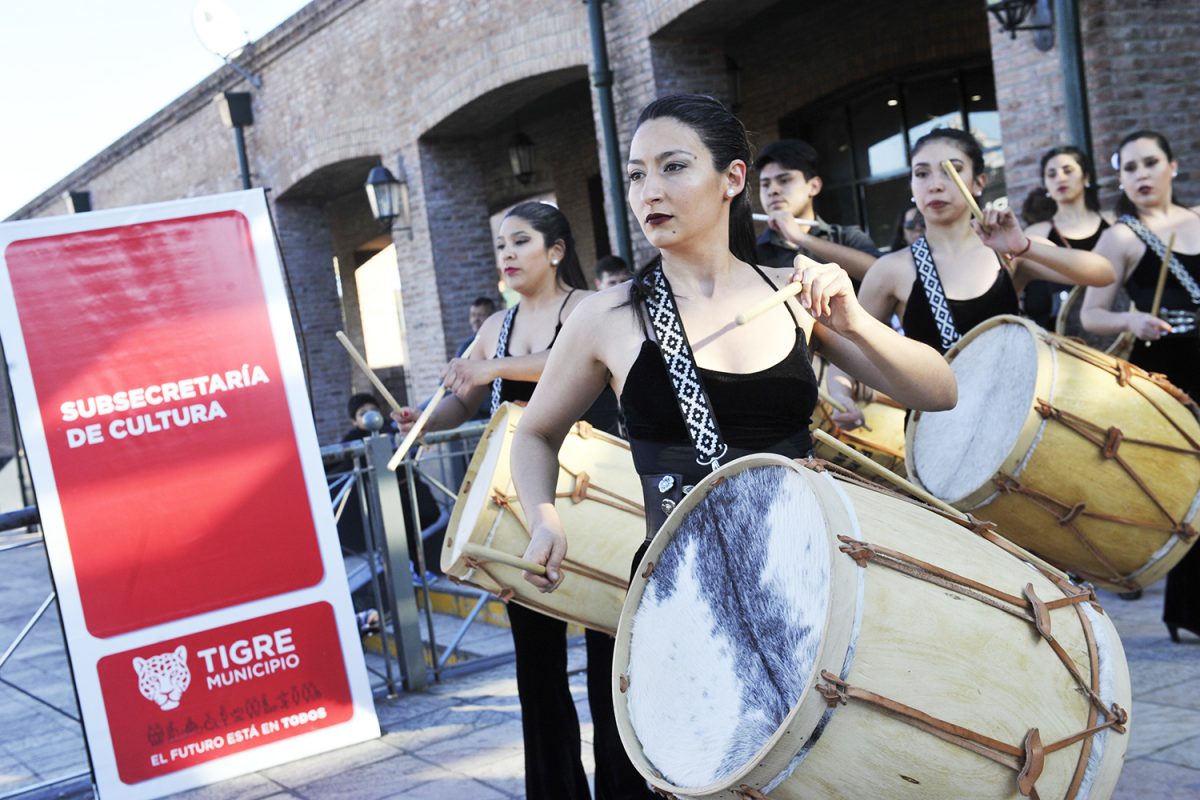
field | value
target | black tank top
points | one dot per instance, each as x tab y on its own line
1175	355
1043	299
918	322
766	411
602	414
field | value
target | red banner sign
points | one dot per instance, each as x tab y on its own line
172	449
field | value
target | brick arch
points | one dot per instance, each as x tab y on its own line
558	43
321	150
690	17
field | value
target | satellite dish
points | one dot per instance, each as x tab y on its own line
219	28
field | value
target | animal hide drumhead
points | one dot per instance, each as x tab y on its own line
957	451
728	628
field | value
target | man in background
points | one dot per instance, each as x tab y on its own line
610	271
788	183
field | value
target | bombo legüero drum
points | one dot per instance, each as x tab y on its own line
793	635
1078	456
598	500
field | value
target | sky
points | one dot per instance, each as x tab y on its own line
76	75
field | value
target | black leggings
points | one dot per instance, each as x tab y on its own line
553	769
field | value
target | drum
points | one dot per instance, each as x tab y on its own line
1080	457
598	500
1068	324
881	439
793	635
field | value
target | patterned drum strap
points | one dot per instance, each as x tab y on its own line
932	284
501	352
1156	244
677	356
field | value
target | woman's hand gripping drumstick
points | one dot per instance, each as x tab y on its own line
1156	306
489	554
824	290
780	296
418	427
976	211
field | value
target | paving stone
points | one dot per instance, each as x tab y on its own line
346	760
1155	727
1184	754
435	727
443	788
388	778
245	787
1144	779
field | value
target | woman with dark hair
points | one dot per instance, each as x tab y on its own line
687	186
537	254
970	282
1076	223
1148	217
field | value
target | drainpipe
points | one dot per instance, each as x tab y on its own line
602	79
1070	54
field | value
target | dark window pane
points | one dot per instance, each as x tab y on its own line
836	204
984	120
883	203
878	133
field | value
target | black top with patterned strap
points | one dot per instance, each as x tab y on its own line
765	411
938	321
603	413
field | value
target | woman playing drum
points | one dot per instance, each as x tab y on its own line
1076	223
969	266
539	261
1148	216
687	176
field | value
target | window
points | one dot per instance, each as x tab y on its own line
865	138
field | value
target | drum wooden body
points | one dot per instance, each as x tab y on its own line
881	439
792	635
1069	324
598	493
1084	459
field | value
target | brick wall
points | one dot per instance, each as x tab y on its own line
306	241
1143	71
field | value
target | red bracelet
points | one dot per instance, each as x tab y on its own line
1025	249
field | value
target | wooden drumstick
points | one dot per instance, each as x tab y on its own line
415	431
366	369
948	166
791	290
812	223
500	557
883	472
1162	278
419	425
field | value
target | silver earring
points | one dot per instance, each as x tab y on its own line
554	262
731	193
912	199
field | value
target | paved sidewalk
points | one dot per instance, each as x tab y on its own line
462	738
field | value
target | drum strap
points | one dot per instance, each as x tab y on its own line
931	282
677	356
501	352
1151	240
